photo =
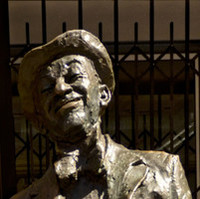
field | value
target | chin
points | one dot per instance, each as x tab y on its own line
70	129
73	127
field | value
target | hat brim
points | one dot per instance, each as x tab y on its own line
74	42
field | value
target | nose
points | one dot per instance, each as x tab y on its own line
62	87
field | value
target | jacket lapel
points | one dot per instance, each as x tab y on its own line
127	169
135	175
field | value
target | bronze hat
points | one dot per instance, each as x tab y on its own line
78	42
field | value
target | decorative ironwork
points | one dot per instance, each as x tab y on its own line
143	124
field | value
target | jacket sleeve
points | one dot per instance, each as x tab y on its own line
179	181
22	195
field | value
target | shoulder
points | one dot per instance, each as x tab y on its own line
150	158
158	159
24	194
46	187
147	173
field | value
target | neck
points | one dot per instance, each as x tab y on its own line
85	156
93	136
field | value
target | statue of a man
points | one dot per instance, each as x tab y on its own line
64	87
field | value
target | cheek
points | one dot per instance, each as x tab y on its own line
93	99
81	84
44	105
82	89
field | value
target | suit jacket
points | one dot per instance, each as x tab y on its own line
131	174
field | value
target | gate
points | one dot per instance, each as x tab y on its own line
155	105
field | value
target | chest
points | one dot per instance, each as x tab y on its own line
84	188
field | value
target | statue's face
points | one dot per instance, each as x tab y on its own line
68	97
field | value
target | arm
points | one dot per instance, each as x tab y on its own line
179	181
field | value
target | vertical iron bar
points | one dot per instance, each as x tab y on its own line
160	120
171	116
100	31
28	154
152	74
116	70
47	151
44	22
7	139
29	142
31	153
197	124
27	35
40	153
64	27
135	119
186	97
145	132
136	33
133	107
80	14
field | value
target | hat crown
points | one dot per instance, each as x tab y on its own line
76	42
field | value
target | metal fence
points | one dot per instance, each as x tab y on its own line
155	105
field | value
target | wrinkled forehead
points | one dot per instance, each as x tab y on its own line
69	64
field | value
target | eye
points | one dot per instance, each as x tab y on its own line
75	77
48	89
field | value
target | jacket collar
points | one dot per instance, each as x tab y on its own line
125	171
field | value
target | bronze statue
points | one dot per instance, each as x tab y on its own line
65	86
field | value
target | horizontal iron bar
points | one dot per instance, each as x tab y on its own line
125	46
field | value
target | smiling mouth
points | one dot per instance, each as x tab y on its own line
67	104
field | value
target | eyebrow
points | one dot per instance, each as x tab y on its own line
73	61
46	73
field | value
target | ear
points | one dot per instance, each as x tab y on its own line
105	95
